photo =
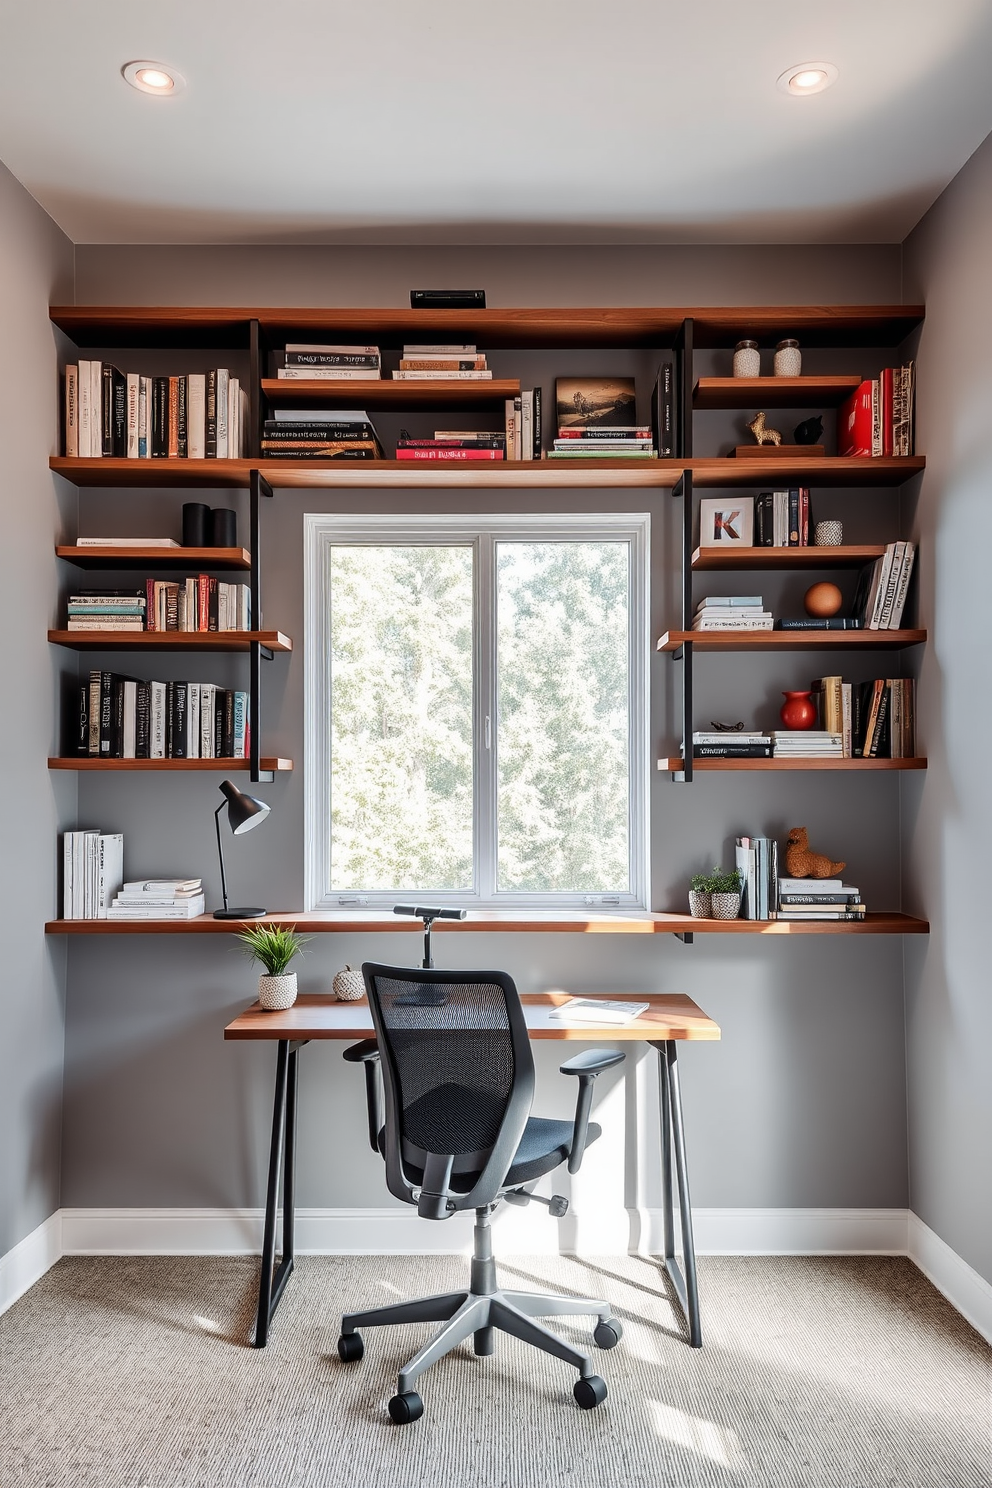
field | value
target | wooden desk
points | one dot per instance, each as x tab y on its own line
669	1019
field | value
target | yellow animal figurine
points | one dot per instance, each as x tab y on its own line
761	434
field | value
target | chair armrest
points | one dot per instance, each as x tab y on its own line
367	1053
587	1065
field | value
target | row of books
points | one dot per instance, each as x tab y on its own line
92	873
770	744
455	446
880	598
111	414
878	418
124	717
197	603
767	896
781	518
875	719
320	434
159	899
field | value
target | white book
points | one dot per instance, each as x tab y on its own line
188	910
730	737
732	601
891	585
240	725
298	346
223	388
764	623
156	720
527	425
223	622
84	390
234	419
96	410
91	897
415	351
67	875
780	519
598	1010
130	719
876	591
72	410
905	574
731	612
244	423
110	870
813	886
127	542
443	376
162	886
145	418
193	721
330	374
196	415
320	416
131	391
208	697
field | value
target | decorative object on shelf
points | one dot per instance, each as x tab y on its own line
223	528
243	813
447	299
274	946
809	431
727	728
747	359
725	894
798	711
726	522
823	600
788	359
801	863
585	402
348	985
828	534
700	905
196	524
761	434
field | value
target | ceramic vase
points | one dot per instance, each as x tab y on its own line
348	985
725	906
699	904
798	711
277	992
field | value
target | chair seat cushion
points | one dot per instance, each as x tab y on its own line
544	1145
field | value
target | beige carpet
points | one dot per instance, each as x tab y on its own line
845	1373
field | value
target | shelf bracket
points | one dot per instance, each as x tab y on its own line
258	487
685	936
682	491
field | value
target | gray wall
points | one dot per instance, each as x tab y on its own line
803	1103
35	268
948	1003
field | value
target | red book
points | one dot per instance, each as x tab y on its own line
854	423
449	454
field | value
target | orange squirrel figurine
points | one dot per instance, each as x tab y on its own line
801	863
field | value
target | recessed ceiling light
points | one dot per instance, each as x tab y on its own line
153	77
808	77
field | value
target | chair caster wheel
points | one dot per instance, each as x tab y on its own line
408	1407
608	1334
350	1347
590	1391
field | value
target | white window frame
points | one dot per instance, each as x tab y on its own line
322	531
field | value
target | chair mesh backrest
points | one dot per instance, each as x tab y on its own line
451	1049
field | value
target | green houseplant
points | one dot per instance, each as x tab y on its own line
700	905
273	947
725	894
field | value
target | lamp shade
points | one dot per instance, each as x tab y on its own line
243	811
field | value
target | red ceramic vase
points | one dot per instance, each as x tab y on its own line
798	711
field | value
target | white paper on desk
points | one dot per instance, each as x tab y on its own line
598	1010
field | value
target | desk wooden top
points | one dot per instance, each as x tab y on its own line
315	1016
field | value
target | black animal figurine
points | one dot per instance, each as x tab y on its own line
809	431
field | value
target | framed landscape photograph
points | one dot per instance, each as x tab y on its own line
726	522
591	402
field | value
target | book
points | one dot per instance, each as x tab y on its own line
127	542
599	1010
732	751
442	376
789	885
438	349
348	416
595	402
730	736
817	622
330	374
162	885
902	586
306	348
71	442
443	364
187	910
447	454
732	601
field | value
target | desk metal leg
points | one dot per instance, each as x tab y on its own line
673	1146
282	1154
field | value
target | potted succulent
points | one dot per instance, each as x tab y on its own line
700	905
273	947
725	894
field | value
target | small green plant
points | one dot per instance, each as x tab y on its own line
273	946
717	882
700	883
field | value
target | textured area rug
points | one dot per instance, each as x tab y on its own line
833	1373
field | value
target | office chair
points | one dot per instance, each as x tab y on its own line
458	1076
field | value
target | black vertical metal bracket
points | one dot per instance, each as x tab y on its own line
682	490
258	487
683	352
685	936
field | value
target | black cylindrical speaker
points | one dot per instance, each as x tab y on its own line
223	527
196	524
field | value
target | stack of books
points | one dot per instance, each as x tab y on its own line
453	444
732	612
806	744
720	744
111	414
159	899
447	363
106	609
878	418
880	597
524	432
92	873
123	718
320	434
818	899
597	421
304	363
781	518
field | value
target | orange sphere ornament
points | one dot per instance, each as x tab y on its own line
823	601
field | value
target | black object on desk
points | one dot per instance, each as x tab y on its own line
196	522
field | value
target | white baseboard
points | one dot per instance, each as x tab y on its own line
27	1263
968	1292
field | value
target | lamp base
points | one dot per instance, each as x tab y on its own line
239	914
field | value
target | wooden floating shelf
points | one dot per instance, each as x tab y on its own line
827	470
487	921
729	557
399	397
86	764
791	640
815	325
676	764
152	557
772	392
169	640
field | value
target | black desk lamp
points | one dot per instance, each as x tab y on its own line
243	813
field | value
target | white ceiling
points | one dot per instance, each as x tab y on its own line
516	121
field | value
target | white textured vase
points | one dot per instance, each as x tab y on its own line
725	906
348	985
277	992
700	905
